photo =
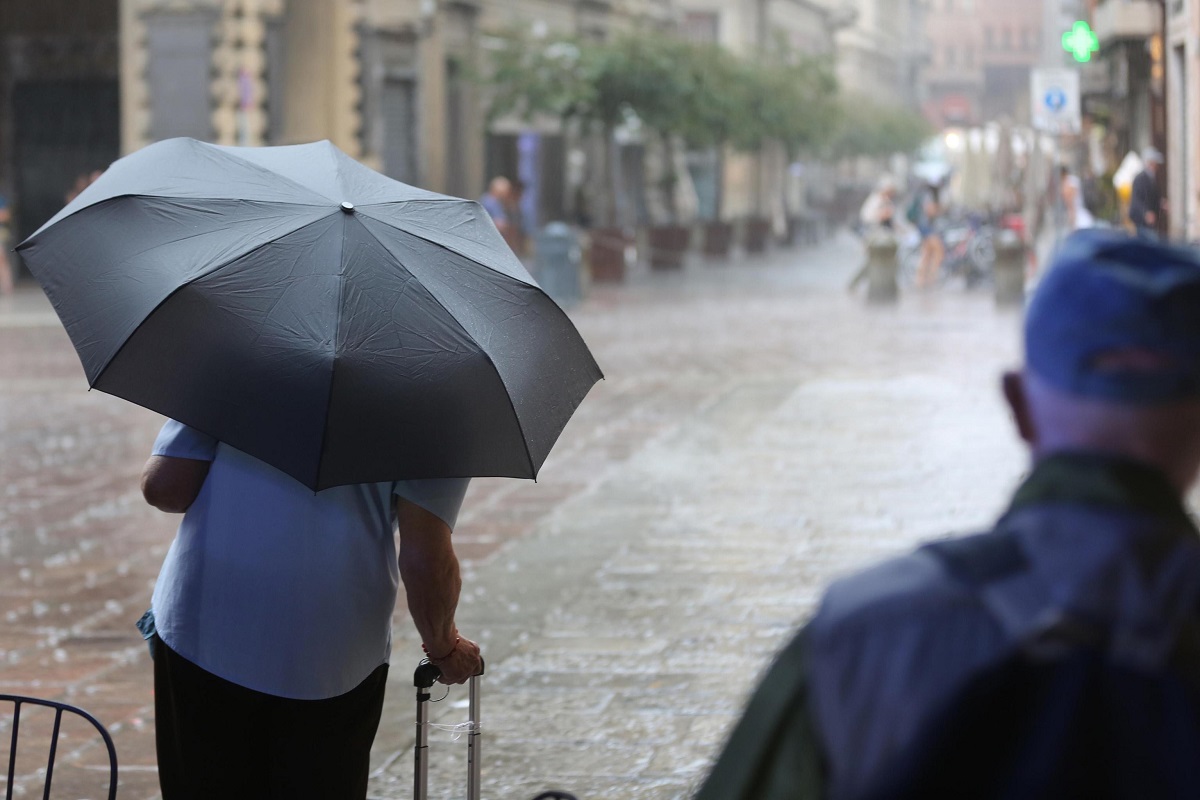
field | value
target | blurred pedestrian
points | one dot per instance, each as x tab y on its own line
497	202
1057	655
271	621
6	275
879	209
1070	190
878	212
925	212
516	218
1146	201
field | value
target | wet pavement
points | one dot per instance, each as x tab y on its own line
760	432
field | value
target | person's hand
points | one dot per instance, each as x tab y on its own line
1151	218
462	664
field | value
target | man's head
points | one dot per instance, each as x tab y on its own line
1112	354
1152	159
500	188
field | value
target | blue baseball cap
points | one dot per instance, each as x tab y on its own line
1118	318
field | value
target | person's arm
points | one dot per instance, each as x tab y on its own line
429	569
172	484
1068	196
177	468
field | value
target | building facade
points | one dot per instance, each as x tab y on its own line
1183	117
883	50
981	56
391	82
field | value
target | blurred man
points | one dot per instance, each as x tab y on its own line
497	202
1146	202
1058	655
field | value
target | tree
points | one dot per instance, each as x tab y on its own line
868	128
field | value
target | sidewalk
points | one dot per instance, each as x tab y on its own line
760	432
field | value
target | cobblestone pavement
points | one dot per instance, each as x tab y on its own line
760	432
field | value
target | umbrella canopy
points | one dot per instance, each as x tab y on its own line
301	307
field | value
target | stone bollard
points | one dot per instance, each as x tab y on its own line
1009	269
557	264
881	268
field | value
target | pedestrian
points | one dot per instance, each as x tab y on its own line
6	275
1146	201
518	238
497	202
1057	655
1070	190
925	213
878	212
270	623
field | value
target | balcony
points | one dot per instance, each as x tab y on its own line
1122	20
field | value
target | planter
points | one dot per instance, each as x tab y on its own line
758	232
606	254
668	245
718	239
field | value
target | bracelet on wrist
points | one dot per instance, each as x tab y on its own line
435	659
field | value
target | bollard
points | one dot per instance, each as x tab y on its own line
881	267
1009	269
557	264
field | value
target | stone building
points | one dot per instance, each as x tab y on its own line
981	56
388	81
883	50
1183	117
59	106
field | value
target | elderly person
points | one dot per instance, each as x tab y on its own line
1057	655
271	621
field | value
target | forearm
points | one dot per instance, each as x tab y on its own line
432	582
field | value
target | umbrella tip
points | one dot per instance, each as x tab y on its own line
348	207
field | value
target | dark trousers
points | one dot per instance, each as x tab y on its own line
220	741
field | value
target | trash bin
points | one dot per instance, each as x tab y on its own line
557	264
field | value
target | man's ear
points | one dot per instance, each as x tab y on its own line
1013	385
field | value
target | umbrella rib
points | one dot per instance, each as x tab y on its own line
441	244
228	152
337	335
486	354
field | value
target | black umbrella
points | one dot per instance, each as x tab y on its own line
337	324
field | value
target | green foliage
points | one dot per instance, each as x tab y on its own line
793	102
699	93
530	77
868	128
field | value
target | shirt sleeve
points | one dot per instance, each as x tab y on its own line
177	440
441	497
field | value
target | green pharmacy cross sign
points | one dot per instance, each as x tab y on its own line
1081	42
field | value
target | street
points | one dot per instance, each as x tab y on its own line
760	432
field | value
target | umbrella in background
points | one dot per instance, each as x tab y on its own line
328	320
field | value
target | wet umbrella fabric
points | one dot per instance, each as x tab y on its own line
337	324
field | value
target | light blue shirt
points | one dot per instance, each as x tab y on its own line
277	588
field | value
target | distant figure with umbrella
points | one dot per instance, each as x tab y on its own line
338	354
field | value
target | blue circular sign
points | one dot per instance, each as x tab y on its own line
1056	99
